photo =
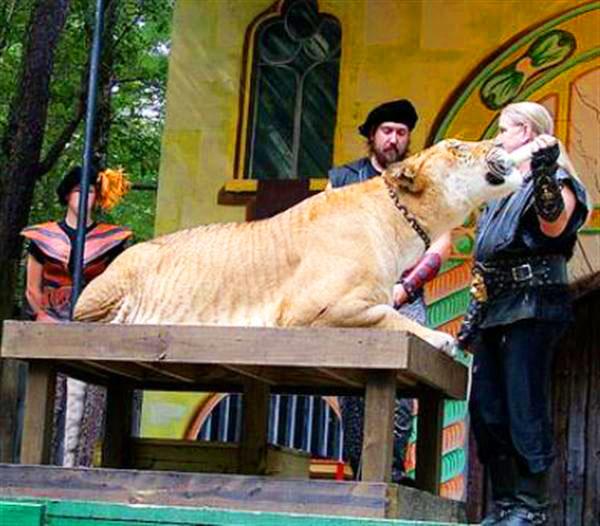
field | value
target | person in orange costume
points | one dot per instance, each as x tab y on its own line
50	263
50	269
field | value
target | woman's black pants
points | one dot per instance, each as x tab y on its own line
510	395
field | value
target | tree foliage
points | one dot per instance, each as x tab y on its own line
44	63
136	45
140	42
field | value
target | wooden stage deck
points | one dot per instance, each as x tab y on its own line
255	361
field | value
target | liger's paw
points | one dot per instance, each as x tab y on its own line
442	341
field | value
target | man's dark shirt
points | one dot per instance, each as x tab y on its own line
354	172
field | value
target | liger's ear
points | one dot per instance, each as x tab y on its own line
408	177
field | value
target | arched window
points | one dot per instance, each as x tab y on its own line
294	86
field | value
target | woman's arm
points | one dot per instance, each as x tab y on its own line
33	291
556	227
425	270
554	203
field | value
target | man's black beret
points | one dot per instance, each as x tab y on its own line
401	111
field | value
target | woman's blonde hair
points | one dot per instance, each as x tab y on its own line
540	121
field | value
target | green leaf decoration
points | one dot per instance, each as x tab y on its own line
501	87
551	48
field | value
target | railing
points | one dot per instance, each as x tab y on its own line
296	421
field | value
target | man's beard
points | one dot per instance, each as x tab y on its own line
385	158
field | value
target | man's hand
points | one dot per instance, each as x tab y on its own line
399	295
43	317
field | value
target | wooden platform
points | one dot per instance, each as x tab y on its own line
241	493
256	361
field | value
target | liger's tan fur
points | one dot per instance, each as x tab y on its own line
331	260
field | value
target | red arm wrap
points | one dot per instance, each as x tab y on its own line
425	270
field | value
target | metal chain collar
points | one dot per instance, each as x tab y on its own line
412	220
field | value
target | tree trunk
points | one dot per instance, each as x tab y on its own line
19	158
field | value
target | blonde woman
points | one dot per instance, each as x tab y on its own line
519	309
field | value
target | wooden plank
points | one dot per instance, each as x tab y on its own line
119	417
254	373
436	369
563	366
592	483
342	376
306	347
588	344
196	490
576	453
170	372
11	391
82	371
406	381
255	422
39	407
429	442
289	463
413	504
212	457
130	371
294	349
378	442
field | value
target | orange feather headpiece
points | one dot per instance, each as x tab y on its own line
112	186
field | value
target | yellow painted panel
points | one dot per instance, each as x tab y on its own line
166	414
419	49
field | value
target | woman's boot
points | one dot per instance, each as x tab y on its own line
531	503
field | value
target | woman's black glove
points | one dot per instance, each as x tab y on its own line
548	201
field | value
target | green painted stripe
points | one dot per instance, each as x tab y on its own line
453	464
454	411
450	264
447	308
21	514
77	513
593	229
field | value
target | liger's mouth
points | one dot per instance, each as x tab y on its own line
493	179
498	166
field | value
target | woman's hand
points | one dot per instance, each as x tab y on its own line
542	141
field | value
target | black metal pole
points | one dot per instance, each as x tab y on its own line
87	154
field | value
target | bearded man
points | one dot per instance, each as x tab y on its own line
387	129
